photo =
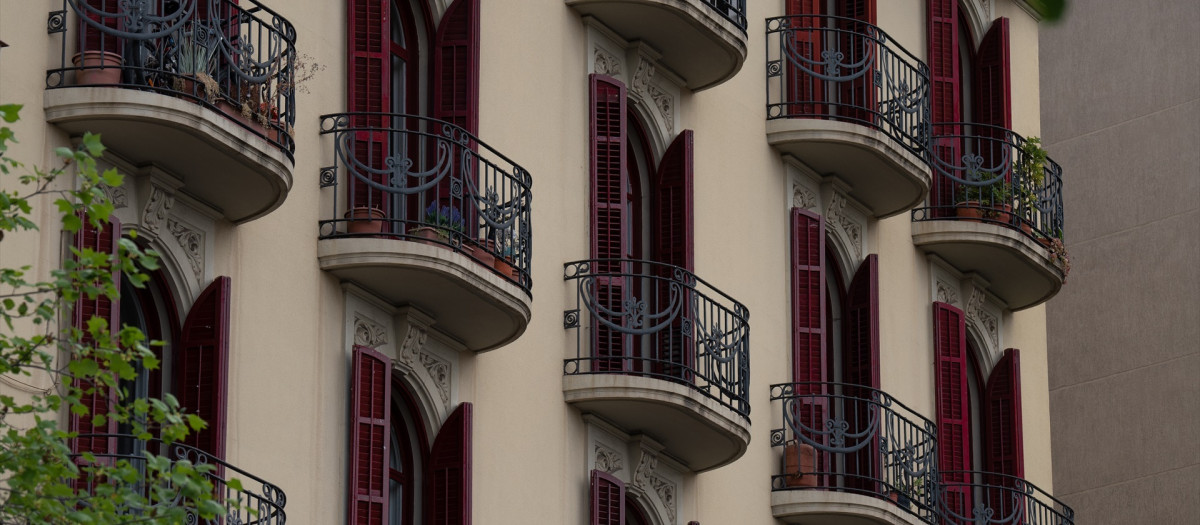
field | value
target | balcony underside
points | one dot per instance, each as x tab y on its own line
694	428
237	172
1018	269
823	507
696	42
467	300
883	176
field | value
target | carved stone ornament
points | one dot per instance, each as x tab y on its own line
192	243
157	208
666	494
641	77
369	333
608	460
947	293
646	477
850	229
439	371
413	345
977	314
645	470
663	103
606	63
118	195
803	198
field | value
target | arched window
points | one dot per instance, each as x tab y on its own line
407	459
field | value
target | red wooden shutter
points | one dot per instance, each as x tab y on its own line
953	405
201	364
103	239
608	499
456	66
449	484
805	93
674	244
992	99
857	97
808	296
945	100
1003	442
610	220
369	69
370	428
861	367
95	39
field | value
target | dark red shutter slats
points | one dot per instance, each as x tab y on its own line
104	240
370	427
808	296
992	98
1003	443
953	408
608	499
861	368
201	363
806	93
945	100
449	484
94	39
674	245
456	66
857	97
370	89
610	220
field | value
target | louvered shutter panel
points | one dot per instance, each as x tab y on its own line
945	99
992	98
610	222
953	406
608	499
856	41
95	39
104	240
1003	440
805	93
370	428
674	245
456	100
201	363
369	69
449	484
861	367
808	326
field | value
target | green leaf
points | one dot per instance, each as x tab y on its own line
9	112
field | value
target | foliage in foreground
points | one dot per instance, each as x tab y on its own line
41	481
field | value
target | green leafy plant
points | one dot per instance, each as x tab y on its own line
195	60
44	482
1031	171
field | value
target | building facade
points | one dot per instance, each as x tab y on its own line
443	261
1102	369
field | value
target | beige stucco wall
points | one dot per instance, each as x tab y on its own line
288	378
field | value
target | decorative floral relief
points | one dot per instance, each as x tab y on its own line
413	345
118	195
440	372
947	293
663	102
608	460
606	63
641	78
369	333
646	477
803	198
157	208
850	229
192	243
666	493
983	318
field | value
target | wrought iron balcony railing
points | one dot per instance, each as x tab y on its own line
842	69
732	10
420	179
990	174
855	439
985	498
649	319
234	56
255	502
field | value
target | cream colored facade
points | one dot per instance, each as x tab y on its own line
293	322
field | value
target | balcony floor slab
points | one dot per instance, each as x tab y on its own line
826	507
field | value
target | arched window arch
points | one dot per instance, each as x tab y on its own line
408	459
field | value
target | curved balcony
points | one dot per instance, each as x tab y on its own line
660	352
422	213
254	502
854	453
205	91
995	209
703	41
985	498
845	99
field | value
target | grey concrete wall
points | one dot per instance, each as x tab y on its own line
1121	112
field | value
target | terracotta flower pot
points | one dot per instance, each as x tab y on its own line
970	211
425	234
483	253
505	267
799	463
99	67
364	220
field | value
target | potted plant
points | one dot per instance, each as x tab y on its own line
985	201
504	261
1031	174
442	224
909	490
98	67
365	219
799	465
194	64
259	103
